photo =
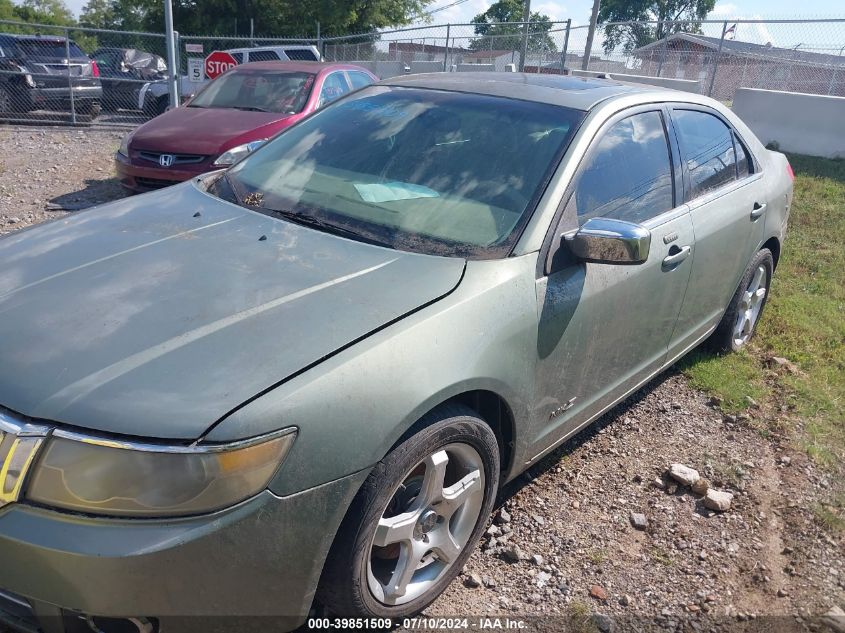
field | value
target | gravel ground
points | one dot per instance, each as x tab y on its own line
563	542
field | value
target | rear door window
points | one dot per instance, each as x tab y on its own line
334	86
707	146
627	175
301	55
263	56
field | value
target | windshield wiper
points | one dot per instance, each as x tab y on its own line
250	108
317	223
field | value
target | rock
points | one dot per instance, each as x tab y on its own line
493	530
786	460
718	500
672	488
503	517
751	402
603	622
683	474
513	554
488	582
782	593
835	619
700	487
714	401
537	559
702	555
638	520
785	363
576	505
626	600
538	519
598	592
472	581
658	483
542	578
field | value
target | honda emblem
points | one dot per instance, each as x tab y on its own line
166	160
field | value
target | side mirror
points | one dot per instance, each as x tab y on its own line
607	241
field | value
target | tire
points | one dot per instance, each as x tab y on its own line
6	103
90	109
358	578
744	311
159	106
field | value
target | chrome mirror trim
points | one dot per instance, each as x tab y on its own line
609	241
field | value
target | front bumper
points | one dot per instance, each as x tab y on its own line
139	178
232	570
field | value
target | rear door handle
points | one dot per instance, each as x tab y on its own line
758	210
676	258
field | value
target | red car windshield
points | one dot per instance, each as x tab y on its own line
258	90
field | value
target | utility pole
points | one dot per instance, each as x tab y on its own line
173	72
594	18
526	19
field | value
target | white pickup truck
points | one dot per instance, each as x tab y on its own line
153	97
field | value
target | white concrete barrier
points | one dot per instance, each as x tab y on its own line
476	68
426	67
687	85
800	123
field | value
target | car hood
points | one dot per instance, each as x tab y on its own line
157	315
207	131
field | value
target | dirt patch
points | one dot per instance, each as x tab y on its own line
571	519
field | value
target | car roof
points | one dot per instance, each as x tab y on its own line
297	66
579	93
281	47
44	38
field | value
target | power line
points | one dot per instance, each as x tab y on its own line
439	9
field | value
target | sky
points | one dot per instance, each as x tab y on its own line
819	37
579	10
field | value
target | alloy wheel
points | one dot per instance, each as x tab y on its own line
750	305
427	523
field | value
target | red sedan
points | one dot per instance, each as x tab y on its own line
232	116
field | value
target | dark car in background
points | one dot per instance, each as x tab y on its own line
123	71
46	73
232	116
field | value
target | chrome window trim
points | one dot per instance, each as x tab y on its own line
192	449
14	425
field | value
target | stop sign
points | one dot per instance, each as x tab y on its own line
218	63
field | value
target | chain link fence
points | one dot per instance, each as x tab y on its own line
75	75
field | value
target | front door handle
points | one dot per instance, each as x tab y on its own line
758	210
670	261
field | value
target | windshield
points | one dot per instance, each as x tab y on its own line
423	170
260	90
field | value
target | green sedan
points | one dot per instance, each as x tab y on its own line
296	386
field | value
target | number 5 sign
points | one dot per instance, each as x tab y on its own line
196	69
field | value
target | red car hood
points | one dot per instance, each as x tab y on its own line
208	130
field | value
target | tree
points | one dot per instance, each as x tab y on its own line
665	12
270	17
509	36
44	12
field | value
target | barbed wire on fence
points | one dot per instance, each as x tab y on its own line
127	81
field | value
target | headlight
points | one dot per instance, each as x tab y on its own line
236	153
96	476
124	145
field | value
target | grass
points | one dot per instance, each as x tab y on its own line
804	322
